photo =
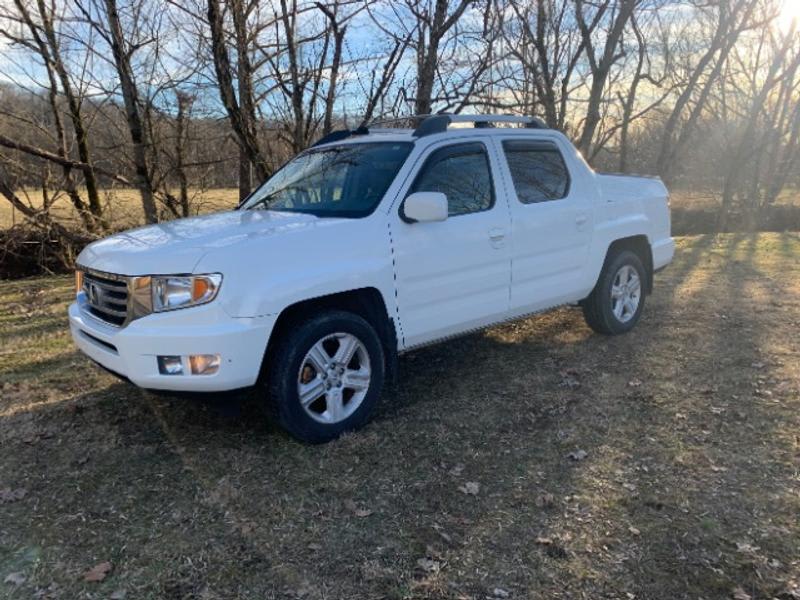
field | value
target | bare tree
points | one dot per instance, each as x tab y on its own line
548	48
239	108
617	13
429	28
43	42
766	142
109	26
729	20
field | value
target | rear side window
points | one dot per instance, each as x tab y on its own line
537	169
461	172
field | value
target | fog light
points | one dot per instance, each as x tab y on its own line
204	364
170	365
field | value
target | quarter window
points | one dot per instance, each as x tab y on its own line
461	172
537	169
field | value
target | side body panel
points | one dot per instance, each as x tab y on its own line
551	240
629	206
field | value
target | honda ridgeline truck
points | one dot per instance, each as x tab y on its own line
369	244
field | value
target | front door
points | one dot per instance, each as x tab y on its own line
453	275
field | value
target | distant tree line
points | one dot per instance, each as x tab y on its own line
178	96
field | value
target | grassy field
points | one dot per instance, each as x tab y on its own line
464	486
122	206
124	210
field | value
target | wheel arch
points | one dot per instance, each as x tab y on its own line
366	302
639	245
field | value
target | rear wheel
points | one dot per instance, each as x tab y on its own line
325	376
616	302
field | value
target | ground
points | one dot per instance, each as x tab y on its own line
534	460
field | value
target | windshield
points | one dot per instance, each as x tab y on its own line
339	181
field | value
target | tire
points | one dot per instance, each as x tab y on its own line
613	315
303	357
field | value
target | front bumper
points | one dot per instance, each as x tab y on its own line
131	351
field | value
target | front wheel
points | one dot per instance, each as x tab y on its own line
326	376
616	302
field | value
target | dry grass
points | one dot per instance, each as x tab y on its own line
689	488
123	206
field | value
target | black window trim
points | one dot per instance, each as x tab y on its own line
431	152
542	145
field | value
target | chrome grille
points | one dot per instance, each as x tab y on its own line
106	297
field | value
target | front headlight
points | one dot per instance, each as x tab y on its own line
159	293
169	293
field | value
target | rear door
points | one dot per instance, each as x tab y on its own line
453	275
552	222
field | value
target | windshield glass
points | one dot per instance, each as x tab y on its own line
339	181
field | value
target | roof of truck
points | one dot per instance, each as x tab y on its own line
437	125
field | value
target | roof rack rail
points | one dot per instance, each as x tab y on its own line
340	134
439	123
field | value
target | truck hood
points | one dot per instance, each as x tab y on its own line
177	246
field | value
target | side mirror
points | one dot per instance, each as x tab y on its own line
423	207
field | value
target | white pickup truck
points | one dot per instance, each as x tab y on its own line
367	245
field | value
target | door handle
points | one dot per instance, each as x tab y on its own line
497	234
580	221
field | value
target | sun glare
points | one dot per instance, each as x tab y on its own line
790	11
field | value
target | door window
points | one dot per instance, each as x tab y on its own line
537	169
462	173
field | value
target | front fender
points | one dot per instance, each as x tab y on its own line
264	276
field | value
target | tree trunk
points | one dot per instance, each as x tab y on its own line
130	97
184	101
243	127
76	117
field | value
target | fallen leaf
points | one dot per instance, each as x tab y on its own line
97	572
544	541
433	552
119	595
634	531
471	488
17	578
740	594
635	382
569	380
8	495
545	500
362	512
428	565
578	455
456	470
500	593
446	537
